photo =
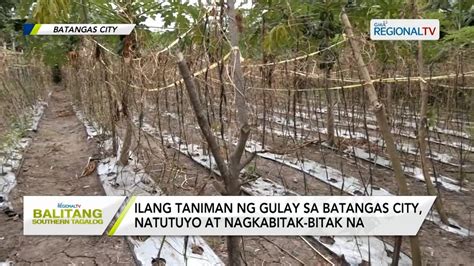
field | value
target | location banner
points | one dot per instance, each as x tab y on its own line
77	29
227	215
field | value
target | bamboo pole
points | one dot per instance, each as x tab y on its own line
379	111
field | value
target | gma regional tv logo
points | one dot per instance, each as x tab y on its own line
404	29
77	29
66	213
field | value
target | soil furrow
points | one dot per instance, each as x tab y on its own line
52	166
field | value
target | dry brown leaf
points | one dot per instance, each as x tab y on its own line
197	249
89	169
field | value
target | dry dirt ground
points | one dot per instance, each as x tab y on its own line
51	166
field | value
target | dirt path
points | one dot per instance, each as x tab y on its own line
51	166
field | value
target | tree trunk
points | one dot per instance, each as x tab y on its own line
202	118
124	151
128	53
389	89
329	111
422	134
85	16
240	101
234	248
382	122
127	142
13	42
230	171
396	251
112	109
111	100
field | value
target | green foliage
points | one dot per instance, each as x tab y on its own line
460	38
7	22
437	52
433	117
438	4
444	20
52	49
51	11
304	26
6	13
278	37
383	9
250	170
271	27
18	129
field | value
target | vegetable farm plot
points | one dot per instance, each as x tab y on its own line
269	98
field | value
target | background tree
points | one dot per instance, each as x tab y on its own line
230	170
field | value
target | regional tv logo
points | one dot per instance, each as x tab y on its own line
404	29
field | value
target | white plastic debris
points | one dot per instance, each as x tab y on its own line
11	156
355	250
326	174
